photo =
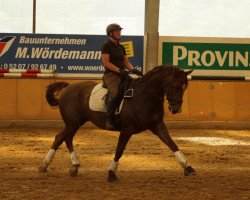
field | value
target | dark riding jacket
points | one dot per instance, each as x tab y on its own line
116	54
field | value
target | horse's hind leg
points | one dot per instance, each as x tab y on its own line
60	137
75	162
66	135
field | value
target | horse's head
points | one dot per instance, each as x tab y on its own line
175	90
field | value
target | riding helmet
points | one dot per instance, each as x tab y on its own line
113	27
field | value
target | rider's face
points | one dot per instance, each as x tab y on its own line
117	34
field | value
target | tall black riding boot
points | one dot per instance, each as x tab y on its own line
112	104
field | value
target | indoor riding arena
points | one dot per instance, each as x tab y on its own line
217	150
209	133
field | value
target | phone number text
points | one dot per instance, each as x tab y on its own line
28	66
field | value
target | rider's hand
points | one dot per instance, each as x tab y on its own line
124	72
137	72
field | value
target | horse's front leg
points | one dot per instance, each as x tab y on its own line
161	131
123	140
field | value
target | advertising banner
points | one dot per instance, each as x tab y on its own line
68	55
208	56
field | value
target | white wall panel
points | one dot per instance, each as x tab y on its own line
89	16
206	18
16	16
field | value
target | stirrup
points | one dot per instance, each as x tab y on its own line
129	93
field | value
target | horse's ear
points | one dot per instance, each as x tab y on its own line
189	72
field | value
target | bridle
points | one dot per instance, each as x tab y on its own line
167	92
169	95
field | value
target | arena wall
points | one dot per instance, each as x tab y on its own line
24	99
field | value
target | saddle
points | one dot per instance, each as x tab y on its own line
100	95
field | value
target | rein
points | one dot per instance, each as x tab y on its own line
167	94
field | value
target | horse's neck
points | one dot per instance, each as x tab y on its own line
152	87
157	81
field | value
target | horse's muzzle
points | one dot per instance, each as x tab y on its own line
174	110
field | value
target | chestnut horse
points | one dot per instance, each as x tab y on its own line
143	111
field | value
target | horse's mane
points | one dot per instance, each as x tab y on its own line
158	71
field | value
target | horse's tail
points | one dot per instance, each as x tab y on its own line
50	94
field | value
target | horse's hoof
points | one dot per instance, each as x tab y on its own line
42	169
112	176
189	171
73	170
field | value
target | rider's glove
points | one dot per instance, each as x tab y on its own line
124	72
137	72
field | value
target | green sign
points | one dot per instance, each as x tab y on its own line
207	56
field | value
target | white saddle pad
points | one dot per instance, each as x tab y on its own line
97	99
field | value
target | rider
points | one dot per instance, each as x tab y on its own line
116	66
